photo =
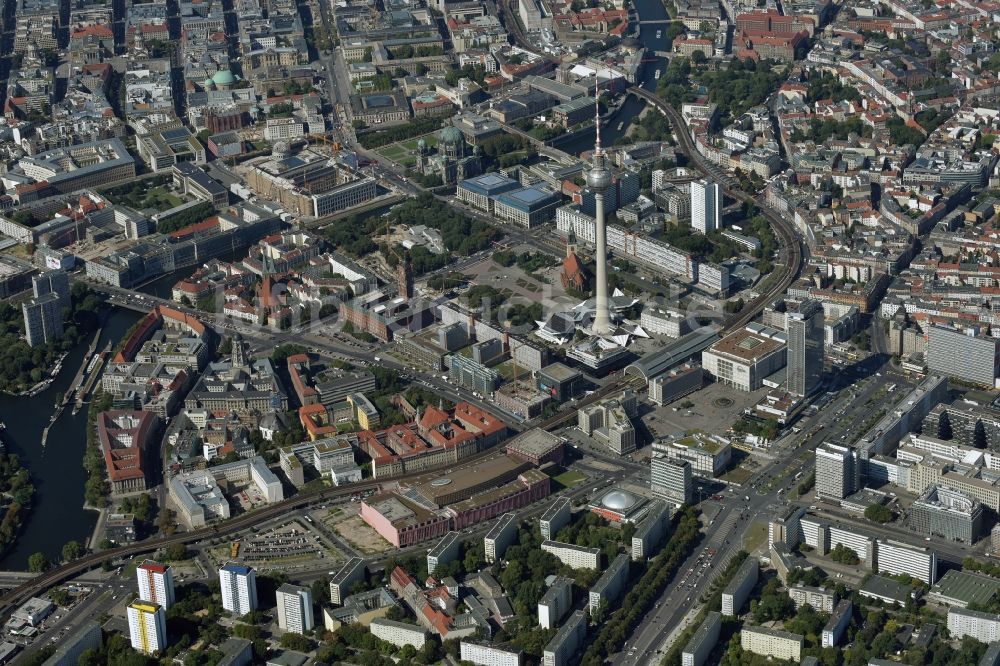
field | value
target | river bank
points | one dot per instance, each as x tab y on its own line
57	514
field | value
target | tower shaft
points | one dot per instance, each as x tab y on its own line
602	314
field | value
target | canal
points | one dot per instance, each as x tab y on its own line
57	514
648	10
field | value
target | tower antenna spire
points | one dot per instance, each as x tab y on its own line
597	114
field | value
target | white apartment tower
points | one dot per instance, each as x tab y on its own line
147	627
156	583
706	206
295	608
239	589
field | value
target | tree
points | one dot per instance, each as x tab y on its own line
878	513
166	521
321	590
37	563
698	57
71	551
844	555
296	642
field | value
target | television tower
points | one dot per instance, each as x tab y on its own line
599	180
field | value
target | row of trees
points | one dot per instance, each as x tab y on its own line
643	592
16	486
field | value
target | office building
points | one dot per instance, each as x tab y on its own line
501	535
156	583
771	643
147	625
971	357
670	478
668	387
555	518
743	359
703	641
295	608
949	513
345	578
735	594
576	557
805	329
706	206
566	642
399	634
838	622
610	585
238	585
984	627
709	455
443	552
610	422
536	446
837	471
555	603
895	558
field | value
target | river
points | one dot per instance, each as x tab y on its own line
648	10
57	514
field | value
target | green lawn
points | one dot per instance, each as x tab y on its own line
569	479
392	152
755	537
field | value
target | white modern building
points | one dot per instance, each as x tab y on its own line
577	557
771	643
295	608
341	582
398	633
501	535
238	585
735	594
484	655
555	517
555	603
156	583
984	627
147	626
706	206
895	557
703	641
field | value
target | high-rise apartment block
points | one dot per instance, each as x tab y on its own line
147	626
239	589
295	608
156	583
806	334
706	206
43	320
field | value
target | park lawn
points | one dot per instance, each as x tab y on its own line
411	144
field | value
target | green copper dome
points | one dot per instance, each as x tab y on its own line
224	77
